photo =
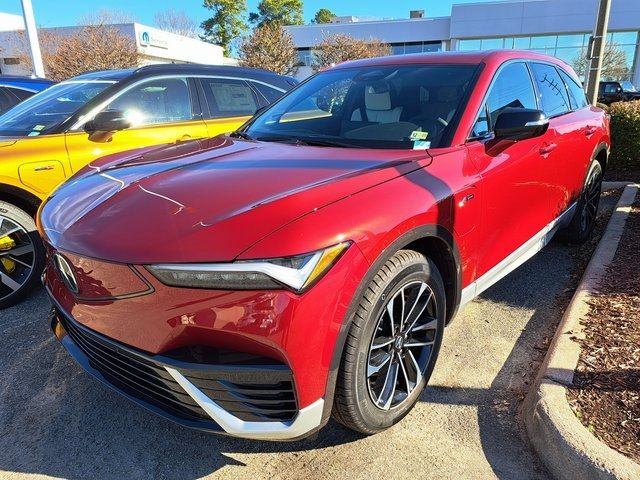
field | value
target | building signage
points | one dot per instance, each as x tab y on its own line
152	40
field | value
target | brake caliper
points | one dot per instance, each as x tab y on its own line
6	244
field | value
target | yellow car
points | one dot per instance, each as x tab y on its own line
50	136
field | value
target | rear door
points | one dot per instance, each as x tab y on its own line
578	130
164	109
515	178
227	103
566	151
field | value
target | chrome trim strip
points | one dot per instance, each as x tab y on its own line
306	420
24	89
537	123
516	258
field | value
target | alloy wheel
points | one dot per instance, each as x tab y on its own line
402	345
17	257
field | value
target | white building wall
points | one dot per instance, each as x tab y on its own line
157	46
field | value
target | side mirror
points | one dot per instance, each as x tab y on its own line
108	121
520	124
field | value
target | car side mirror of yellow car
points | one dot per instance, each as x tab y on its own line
107	121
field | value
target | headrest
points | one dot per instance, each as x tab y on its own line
447	94
377	101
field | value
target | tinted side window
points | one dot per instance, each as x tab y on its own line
611	88
552	91
155	101
576	92
512	88
7	100
270	93
20	93
229	98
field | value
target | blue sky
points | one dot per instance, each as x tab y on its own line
53	13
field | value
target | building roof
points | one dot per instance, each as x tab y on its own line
455	57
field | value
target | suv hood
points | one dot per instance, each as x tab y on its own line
205	200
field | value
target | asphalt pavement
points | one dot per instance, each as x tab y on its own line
56	421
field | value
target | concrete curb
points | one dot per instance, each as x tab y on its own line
615	185
566	447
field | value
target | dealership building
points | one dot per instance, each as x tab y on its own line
561	28
154	45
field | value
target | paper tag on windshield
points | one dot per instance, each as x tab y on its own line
418	135
421	145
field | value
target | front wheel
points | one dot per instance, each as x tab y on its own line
21	254
581	226
392	344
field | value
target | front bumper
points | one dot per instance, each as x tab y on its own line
248	401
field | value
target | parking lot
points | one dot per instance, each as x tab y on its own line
56	421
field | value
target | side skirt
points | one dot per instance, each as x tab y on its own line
518	257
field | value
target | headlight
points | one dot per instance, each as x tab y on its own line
296	273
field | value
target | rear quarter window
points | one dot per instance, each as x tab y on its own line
551	89
576	92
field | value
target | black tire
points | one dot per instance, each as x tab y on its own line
581	226
357	404
19	272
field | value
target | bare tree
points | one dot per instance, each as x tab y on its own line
92	47
341	47
106	16
176	21
270	47
614	63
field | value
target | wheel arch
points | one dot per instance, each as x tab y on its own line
601	154
434	242
20	198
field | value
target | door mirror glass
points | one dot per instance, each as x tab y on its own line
108	121
520	124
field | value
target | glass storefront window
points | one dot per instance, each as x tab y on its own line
544	42
469	45
571	40
522	43
492	43
413	47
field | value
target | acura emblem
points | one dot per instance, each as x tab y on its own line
66	272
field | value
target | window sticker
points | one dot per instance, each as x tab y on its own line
421	145
418	135
419	139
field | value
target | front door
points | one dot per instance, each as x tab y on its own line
161	110
515	177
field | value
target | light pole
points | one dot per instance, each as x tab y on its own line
596	51
32	35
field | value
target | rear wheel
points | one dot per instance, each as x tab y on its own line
581	226
392	345
21	254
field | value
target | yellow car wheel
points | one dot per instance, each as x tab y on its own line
21	254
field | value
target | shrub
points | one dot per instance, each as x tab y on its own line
625	134
342	47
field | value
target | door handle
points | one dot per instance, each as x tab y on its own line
548	148
184	138
590	131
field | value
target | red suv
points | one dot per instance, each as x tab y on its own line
306	265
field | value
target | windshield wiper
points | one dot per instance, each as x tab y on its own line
306	141
239	134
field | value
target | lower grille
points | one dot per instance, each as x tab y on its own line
135	376
250	392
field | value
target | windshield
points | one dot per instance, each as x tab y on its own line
398	107
43	111
628	87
